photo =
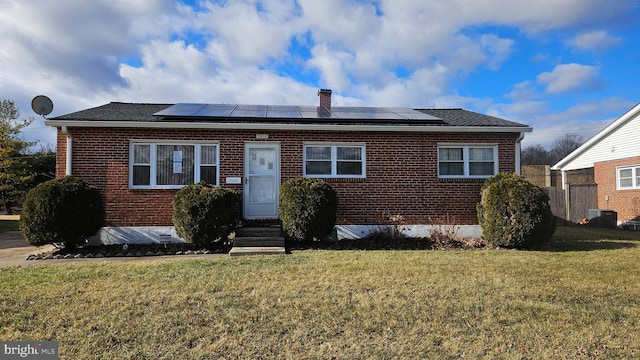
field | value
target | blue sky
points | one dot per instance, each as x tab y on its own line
567	66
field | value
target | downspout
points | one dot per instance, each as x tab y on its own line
518	150
567	196
68	168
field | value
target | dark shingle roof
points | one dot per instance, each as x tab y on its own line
461	117
137	112
288	114
116	111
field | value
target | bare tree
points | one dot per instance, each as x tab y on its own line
564	146
534	155
538	155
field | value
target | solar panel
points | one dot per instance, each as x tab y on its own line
417	115
349	114
249	111
283	115
282	108
315	112
337	113
383	115
283	112
412	114
215	110
399	110
180	110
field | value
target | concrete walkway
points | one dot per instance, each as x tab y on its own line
14	251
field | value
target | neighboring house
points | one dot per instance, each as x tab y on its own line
426	165
614	155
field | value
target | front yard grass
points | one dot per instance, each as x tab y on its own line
581	301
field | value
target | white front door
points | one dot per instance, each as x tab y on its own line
262	180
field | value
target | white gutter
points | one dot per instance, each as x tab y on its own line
518	149
567	197
283	126
68	168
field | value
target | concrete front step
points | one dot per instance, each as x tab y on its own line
256	250
258	241
262	231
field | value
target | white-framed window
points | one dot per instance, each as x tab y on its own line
628	177
467	161
335	160
172	165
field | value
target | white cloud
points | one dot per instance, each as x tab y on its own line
331	66
175	72
387	52
71	51
469	53
498	49
594	41
591	110
523	91
239	32
340	23
78	41
538	58
585	118
535	17
526	111
570	77
422	89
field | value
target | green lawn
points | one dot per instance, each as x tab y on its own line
581	300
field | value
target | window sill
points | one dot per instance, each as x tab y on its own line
342	180
462	179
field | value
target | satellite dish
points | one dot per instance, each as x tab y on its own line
42	105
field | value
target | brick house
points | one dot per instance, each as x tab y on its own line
614	156
426	165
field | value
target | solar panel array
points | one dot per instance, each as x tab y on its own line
336	113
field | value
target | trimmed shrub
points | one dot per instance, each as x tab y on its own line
515	213
204	215
307	208
66	210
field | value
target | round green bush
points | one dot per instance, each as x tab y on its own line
515	213
307	208
204	215
66	210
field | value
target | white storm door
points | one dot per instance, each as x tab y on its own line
262	180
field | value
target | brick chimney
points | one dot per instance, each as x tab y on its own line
325	97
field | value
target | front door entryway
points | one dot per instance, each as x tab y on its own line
262	180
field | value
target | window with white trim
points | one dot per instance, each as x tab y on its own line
172	165
334	161
628	177
467	161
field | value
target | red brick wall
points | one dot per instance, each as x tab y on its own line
625	202
401	172
61	154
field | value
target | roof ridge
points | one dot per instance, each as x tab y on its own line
459	108
137	103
